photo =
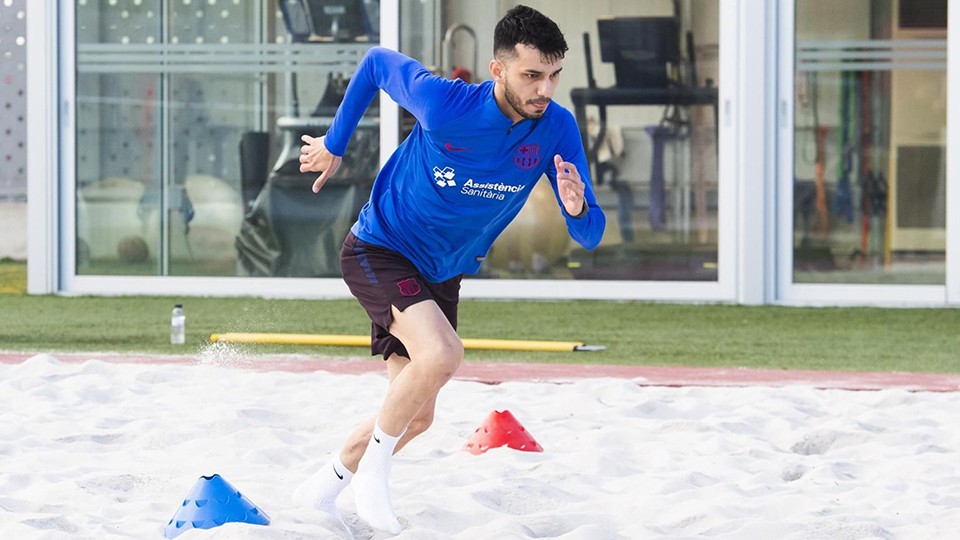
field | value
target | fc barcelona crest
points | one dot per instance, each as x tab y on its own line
409	287
527	156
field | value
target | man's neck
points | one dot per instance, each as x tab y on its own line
499	95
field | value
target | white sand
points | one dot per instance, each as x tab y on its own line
98	450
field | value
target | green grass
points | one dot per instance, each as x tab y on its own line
636	333
13	276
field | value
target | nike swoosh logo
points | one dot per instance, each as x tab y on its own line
453	148
340	476
376	439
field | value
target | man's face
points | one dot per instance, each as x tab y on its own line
528	82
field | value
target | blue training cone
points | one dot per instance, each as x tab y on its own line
212	502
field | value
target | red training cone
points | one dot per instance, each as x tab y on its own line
498	429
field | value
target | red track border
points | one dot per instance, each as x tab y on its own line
499	372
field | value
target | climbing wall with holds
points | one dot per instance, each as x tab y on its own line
13	102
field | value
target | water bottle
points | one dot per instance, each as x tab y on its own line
178	324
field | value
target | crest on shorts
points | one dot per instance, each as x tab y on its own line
409	287
527	156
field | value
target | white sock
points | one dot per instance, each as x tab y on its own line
320	491
371	486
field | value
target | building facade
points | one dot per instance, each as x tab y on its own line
792	152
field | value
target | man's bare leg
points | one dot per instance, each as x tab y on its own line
357	441
323	487
435	354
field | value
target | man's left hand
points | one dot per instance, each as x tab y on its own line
314	157
569	186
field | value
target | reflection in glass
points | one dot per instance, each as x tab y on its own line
651	140
117	170
869	155
189	116
288	230
207	117
117	147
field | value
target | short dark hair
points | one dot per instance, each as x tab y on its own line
527	26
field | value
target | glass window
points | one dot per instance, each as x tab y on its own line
189	118
649	128
870	132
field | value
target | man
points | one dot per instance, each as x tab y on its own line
436	207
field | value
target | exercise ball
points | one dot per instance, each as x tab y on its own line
132	250
536	239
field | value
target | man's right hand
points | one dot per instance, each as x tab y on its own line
314	157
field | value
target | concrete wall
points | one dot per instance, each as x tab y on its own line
13	230
13	101
13	129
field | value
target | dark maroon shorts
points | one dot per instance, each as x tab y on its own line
380	278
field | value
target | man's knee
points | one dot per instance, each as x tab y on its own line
428	337
420	424
444	356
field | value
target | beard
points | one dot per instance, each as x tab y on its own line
514	100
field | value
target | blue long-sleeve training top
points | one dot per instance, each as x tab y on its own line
463	173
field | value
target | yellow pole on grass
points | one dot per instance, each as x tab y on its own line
361	341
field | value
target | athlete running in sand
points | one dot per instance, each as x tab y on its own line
436	207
